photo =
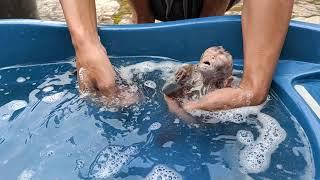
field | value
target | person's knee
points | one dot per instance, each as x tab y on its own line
142	12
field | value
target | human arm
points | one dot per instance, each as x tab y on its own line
264	26
90	53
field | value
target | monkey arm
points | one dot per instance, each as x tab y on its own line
175	108
175	86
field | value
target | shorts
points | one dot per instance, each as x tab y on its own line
171	10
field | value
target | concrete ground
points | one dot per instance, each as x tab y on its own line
118	11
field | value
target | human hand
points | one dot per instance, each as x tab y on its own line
96	77
227	98
95	72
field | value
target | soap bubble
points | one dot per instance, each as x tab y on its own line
110	161
245	137
21	79
155	126
164	173
26	174
150	84
48	89
53	98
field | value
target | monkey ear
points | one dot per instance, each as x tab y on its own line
228	82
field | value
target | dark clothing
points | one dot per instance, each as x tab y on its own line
18	9
171	10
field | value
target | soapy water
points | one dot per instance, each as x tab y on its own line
26	175
163	172
245	137
49	132
256	155
110	161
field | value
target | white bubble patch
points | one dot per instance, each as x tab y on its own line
26	174
53	98
164	173
21	79
167	69
155	126
8	109
245	137
110	161
150	84
48	89
255	156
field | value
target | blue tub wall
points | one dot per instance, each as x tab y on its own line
34	41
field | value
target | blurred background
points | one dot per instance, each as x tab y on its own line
118	11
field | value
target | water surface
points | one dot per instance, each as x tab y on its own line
48	132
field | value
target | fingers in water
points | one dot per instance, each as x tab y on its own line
85	84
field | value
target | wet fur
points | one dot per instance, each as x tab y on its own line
191	81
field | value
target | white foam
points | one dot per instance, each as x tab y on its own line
8	109
245	137
155	126
48	89
21	79
53	98
110	161
237	115
58	80
16	105
164	173
82	79
279	166
5	117
168	144
150	84
26	174
255	156
167	69
79	164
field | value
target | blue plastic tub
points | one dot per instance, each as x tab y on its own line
296	81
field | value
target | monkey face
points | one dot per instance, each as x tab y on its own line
216	63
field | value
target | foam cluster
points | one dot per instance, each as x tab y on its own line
154	126
150	84
8	109
237	115
110	161
255	156
166	67
26	174
53	98
245	137
21	79
164	173
48	89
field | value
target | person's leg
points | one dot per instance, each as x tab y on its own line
142	12
18	9
215	7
